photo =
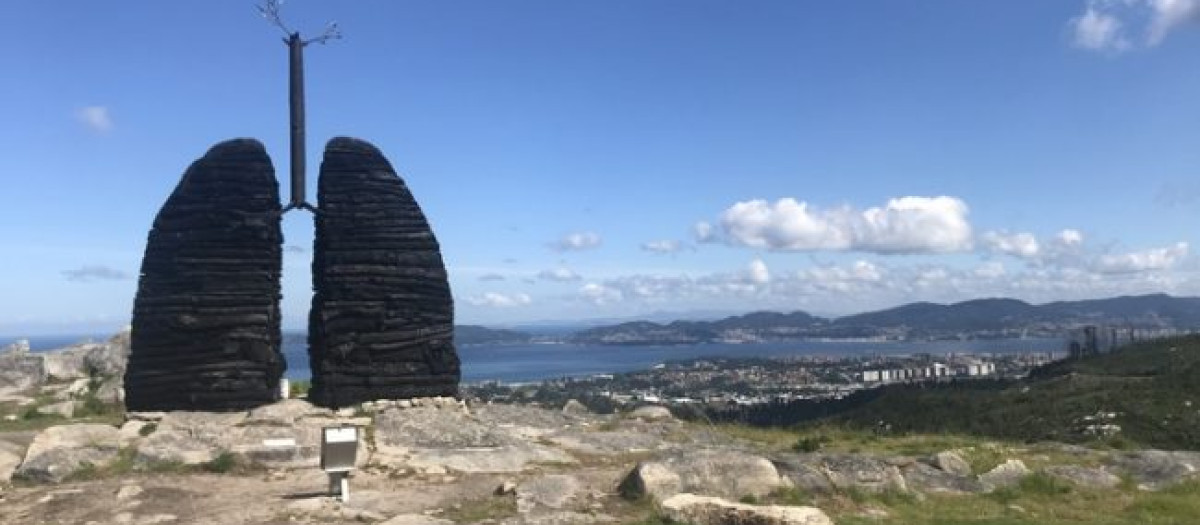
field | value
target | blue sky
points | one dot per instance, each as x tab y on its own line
610	159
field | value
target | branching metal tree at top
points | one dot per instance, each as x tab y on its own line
270	11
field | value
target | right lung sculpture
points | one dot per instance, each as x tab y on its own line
382	318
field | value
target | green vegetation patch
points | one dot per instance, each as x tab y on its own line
1145	394
1037	500
492	508
299	388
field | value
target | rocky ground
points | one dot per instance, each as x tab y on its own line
442	461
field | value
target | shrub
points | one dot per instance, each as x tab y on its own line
299	388
810	443
222	464
1043	484
147	429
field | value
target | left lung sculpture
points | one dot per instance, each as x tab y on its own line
206	315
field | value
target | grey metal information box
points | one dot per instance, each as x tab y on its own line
339	446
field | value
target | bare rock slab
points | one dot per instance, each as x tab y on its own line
554	491
436	439
281	435
59	451
8	464
930	480
63	409
871	474
721	473
950	462
1158	469
20	369
705	510
1006	474
651	413
416	519
1086	477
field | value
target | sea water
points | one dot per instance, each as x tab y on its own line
535	362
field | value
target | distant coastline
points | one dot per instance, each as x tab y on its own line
42	343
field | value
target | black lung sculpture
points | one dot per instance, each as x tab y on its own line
206	316
381	324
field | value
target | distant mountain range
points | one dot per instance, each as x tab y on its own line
976	319
474	335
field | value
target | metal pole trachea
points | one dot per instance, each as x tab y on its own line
296	106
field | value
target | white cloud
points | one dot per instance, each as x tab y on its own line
1143	261
576	241
859	276
859	271
601	294
1168	15
786	225
1023	245
491	277
663	247
96	118
1104	24
863	285
990	270
499	300
1098	31
682	289
95	272
1066	251
561	274
704	232
757	272
1070	237
902	225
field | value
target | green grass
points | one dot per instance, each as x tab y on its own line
652	519
224	463
1150	386
123	464
1037	500
299	388
492	507
980	452
790	496
30	421
148	429
88	409
127	463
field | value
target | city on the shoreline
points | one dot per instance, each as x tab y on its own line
718	382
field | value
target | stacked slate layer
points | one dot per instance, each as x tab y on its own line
206	315
381	324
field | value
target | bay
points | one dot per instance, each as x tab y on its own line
536	362
42	343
